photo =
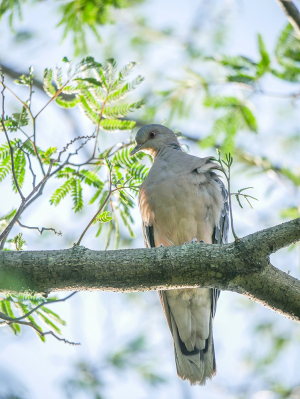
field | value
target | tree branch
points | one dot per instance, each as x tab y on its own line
241	267
292	13
38	229
46	303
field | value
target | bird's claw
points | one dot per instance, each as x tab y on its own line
193	241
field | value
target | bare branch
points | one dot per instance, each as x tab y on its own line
38	229
72	142
42	334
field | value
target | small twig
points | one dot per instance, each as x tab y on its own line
16	319
10	147
230	205
244	195
98	126
229	159
72	142
55	95
100	210
11	92
39	230
42	334
35	148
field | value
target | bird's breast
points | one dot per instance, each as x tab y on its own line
179	207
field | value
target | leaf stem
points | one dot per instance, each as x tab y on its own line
99	211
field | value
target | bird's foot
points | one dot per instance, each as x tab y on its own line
193	241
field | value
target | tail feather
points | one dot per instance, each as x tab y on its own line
194	367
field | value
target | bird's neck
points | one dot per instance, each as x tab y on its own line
166	152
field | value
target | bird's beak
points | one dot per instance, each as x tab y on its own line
136	149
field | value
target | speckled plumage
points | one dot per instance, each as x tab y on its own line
182	198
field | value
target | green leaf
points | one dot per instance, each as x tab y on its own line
6	309
61	192
4	150
125	90
123	74
103	217
220	101
95	196
58	78
290	213
234	62
92	82
92	178
24	80
249	118
47	155
67	104
241	78
47	321
120	111
48	86
110	125
8	216
265	58
76	192
20	163
5	168
85	107
53	315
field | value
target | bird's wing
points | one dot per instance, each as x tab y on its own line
149	242
220	236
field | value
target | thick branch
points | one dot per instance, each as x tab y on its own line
241	267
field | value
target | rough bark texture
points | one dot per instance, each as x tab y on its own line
241	267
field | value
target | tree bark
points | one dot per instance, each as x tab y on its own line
242	267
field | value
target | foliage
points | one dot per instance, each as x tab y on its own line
11	305
18	303
76	17
225	87
98	90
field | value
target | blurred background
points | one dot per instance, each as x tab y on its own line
126	348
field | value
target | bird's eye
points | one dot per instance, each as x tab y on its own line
152	135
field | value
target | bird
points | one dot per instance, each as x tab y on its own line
183	201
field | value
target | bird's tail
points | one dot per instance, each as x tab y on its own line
196	366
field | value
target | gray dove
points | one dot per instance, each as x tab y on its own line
182	200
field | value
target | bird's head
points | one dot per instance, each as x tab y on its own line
151	138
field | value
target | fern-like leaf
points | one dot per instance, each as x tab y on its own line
48	86
61	192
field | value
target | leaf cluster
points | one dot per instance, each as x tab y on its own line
18	305
76	17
